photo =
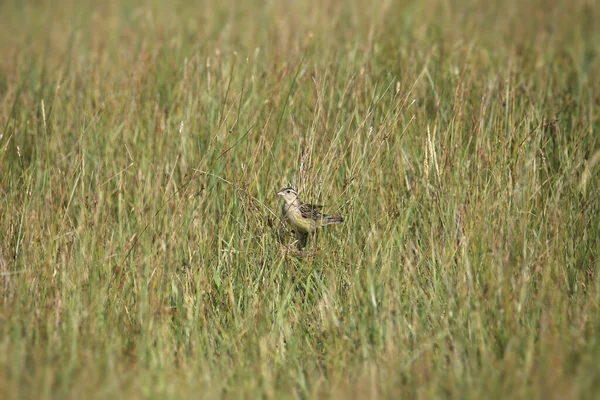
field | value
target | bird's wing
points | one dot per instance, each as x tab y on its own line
311	211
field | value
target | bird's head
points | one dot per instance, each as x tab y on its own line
289	195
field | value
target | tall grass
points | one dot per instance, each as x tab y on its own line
141	146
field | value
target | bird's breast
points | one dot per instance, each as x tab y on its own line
295	218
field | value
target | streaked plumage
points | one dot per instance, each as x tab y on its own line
304	218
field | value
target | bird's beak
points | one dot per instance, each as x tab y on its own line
280	193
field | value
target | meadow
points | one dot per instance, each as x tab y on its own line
142	144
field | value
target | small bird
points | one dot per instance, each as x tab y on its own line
304	218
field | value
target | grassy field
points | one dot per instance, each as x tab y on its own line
142	145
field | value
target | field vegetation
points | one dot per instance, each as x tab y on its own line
142	144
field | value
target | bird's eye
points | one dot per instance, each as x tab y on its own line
288	191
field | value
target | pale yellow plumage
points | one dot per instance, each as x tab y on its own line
304	218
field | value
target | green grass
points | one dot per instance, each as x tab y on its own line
141	147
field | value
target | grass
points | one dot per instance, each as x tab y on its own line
141	146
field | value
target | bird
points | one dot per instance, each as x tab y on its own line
304	218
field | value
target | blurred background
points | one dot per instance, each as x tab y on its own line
141	147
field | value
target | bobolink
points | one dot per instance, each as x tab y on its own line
304	218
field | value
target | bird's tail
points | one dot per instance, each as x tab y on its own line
328	220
